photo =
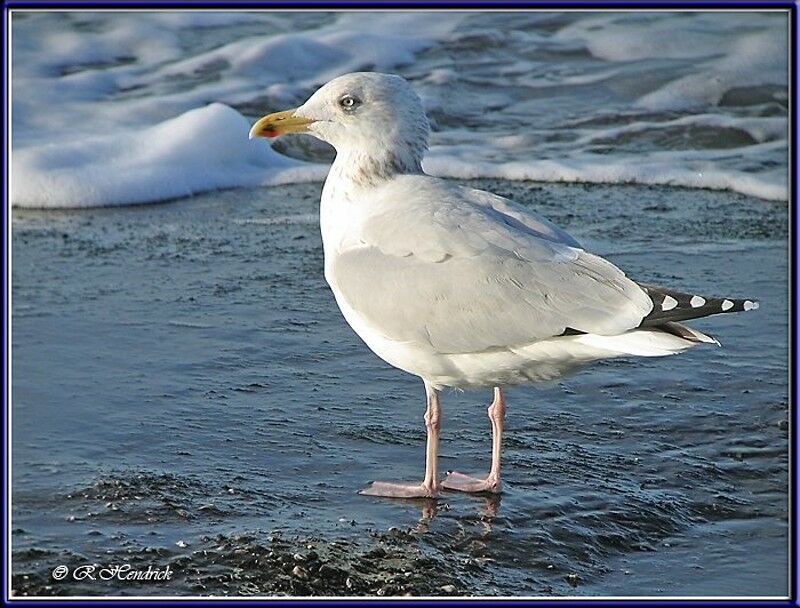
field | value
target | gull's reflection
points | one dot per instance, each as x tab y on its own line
430	507
491	507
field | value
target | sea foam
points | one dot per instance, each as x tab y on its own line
203	149
106	107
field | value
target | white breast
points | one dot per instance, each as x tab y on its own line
347	210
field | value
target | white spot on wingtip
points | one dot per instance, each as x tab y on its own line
669	303
727	305
697	301
750	305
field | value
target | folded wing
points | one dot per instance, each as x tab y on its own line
456	271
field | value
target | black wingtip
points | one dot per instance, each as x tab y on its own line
669	305
732	305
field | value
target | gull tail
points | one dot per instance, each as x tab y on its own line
687	333
660	333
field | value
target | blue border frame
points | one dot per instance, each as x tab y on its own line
792	7
410	4
793	393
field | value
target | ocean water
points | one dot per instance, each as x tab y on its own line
186	393
690	99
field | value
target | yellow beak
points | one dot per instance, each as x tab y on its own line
279	123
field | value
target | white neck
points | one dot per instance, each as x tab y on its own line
346	195
357	167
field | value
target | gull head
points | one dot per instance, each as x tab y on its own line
377	116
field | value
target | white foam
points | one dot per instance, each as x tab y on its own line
379	41
730	50
111	148
633	37
622	170
760	128
201	150
753	60
93	93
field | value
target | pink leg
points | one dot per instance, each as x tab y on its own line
429	488
492	483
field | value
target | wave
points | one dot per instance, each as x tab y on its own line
201	150
153	106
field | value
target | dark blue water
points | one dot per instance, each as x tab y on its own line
186	392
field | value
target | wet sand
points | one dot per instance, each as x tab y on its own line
186	393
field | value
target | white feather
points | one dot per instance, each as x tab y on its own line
458	286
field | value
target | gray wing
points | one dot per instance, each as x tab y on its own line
542	227
455	272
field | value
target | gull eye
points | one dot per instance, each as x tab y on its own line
349	103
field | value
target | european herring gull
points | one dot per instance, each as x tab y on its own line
459	286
